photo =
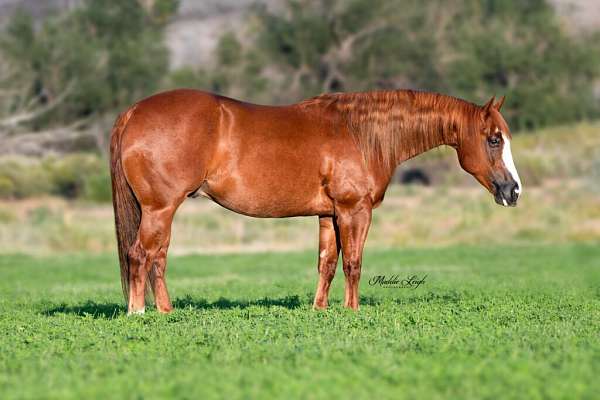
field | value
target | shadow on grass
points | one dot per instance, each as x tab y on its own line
114	310
369	301
450	297
407	298
96	310
289	302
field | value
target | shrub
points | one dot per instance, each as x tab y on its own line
70	175
22	178
97	187
7	187
77	176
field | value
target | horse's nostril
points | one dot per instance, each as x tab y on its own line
514	192
496	187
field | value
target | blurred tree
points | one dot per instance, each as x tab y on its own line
100	57
519	49
320	46
106	54
472	49
236	72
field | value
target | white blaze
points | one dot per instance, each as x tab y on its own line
507	158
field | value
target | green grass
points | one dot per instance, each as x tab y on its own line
489	322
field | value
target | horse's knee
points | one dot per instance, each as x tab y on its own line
352	269
142	258
327	257
160	264
327	269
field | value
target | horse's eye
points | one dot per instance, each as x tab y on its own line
494	141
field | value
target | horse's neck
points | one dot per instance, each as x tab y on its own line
433	130
421	131
392	126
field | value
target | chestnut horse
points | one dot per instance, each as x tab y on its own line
332	156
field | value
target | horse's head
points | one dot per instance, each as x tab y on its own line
485	153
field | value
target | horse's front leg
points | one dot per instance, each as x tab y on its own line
329	250
353	222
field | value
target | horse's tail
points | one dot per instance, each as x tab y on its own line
126	206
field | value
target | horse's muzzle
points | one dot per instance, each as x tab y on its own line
506	193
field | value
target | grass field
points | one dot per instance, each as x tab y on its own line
489	322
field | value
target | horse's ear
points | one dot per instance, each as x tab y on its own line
499	104
488	106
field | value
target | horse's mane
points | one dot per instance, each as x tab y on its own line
399	124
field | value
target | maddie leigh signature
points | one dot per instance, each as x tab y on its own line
395	281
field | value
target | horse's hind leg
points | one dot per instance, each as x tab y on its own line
148	251
329	249
157	278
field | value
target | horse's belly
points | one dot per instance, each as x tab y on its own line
268	195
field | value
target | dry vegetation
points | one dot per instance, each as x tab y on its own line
561	202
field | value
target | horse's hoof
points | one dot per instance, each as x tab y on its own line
141	311
319	306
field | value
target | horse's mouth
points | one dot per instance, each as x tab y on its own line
503	202
506	194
